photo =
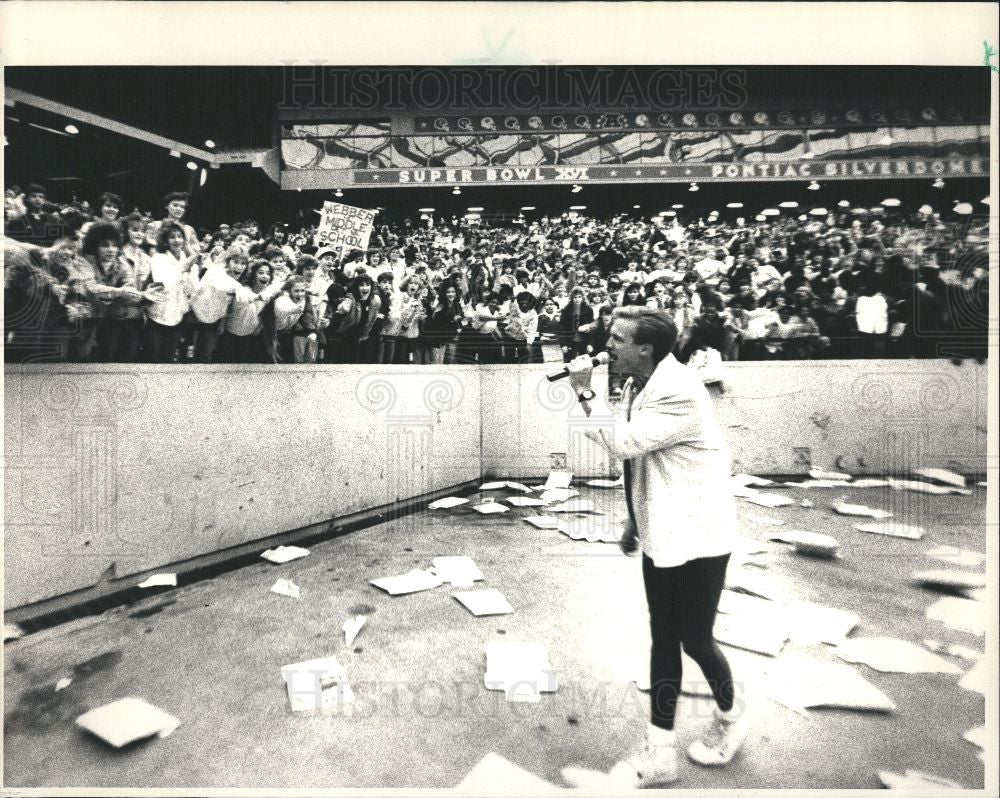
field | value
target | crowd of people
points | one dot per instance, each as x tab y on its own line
116	286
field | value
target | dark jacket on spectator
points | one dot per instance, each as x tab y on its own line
570	321
41	230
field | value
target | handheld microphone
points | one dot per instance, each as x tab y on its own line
600	359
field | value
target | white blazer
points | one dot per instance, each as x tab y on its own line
680	465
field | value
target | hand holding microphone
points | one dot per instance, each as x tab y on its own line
582	365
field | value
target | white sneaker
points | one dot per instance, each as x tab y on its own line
721	741
650	766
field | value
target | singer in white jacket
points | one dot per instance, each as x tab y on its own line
682	514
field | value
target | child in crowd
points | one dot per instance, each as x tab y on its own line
392	311
411	313
295	323
343	314
212	299
247	337
520	331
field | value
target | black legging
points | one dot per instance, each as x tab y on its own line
682	604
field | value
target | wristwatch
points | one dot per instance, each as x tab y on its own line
586	395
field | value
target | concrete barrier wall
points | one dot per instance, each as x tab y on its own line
150	465
145	466
862	417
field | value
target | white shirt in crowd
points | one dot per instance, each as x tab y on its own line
709	268
287	312
872	314
173	274
244	317
214	293
764	274
760	322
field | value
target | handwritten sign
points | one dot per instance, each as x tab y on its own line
345	227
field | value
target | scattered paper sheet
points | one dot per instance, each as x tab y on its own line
573	531
953	579
545	522
559	495
411	582
771	500
953	649
959	613
522	670
892	529
889	655
11	631
818	483
317	684
915	780
819	473
800	682
502	485
815	623
606	483
868	482
859	509
814	544
926	487
733	603
558	479
806	503
127	720
352	626
573	506
493	772
742	492
976	736
457	570
484	602
953	556
160	580
283	554
756	584
750	634
942	475
490	508
977	678
63	683
592	529
286	587
525	501
748	480
446	502
766	519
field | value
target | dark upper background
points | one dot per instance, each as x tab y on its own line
238	107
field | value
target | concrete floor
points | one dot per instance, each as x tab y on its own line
210	654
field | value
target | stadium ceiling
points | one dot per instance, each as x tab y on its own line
237	107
